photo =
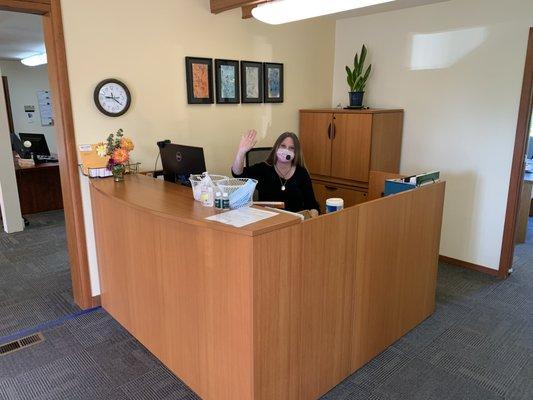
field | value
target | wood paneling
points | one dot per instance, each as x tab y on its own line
350	152
39	188
517	168
184	293
386	142
277	314
326	190
395	288
328	268
316	142
218	6
285	314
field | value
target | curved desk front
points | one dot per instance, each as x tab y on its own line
279	309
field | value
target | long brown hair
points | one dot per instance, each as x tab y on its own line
298	155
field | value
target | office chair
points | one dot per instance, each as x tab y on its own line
257	155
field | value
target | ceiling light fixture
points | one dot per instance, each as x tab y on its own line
33	61
283	11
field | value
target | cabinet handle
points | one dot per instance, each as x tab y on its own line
329	131
331	187
334	130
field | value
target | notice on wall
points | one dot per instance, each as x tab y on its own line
45	107
29	111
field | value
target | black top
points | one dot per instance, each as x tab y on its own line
298	194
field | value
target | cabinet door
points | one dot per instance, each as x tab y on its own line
324	191
350	155
315	137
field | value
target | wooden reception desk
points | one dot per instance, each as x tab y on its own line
278	310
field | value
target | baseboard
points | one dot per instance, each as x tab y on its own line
97	301
466	264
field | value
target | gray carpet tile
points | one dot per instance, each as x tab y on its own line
35	282
478	345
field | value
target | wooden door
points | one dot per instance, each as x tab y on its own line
350	154
324	191
315	137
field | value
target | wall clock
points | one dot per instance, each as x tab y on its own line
112	97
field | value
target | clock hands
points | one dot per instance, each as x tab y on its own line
113	98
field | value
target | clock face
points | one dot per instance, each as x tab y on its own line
112	97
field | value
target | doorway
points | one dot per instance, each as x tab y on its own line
517	228
50	14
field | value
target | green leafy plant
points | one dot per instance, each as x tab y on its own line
356	79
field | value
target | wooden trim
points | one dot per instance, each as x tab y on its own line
64	124
97	301
465	264
8	105
218	6
517	168
39	7
68	166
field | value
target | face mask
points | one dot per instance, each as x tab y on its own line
285	155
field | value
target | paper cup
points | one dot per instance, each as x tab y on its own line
334	204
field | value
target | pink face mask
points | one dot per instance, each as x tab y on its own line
285	155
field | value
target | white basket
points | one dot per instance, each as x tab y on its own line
239	190
195	183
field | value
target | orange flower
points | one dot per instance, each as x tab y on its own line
120	156
126	144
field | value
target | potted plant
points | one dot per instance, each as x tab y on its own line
357	80
118	148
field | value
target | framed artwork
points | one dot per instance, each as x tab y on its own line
273	78
227	80
199	80
251	82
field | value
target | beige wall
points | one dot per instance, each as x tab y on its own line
144	44
24	82
456	68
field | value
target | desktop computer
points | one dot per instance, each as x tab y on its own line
180	161
39	147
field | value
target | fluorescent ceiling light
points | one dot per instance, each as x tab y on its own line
283	11
33	61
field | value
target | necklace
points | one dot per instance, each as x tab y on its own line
284	176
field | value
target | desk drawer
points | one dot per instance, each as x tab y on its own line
325	190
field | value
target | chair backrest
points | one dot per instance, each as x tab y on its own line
257	155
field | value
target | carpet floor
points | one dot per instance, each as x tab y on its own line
35	284
477	345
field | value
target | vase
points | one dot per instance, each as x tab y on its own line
118	172
356	99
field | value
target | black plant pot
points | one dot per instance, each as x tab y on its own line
356	99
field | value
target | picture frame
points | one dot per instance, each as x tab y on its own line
273	82
227	78
251	82
199	73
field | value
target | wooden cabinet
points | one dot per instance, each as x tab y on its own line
341	147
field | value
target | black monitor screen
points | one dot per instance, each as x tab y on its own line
179	162
38	143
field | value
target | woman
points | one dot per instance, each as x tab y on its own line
282	177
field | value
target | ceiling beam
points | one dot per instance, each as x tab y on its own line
218	6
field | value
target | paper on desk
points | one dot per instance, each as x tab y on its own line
242	216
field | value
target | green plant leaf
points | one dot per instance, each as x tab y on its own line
362	60
355	62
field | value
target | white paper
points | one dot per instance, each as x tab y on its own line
45	107
242	216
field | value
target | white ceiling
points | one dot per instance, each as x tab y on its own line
21	35
393	5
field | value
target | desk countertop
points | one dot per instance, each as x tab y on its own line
176	202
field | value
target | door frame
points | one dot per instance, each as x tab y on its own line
50	10
517	167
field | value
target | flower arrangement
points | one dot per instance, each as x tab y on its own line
118	148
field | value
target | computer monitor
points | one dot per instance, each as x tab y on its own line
180	161
16	145
38	143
